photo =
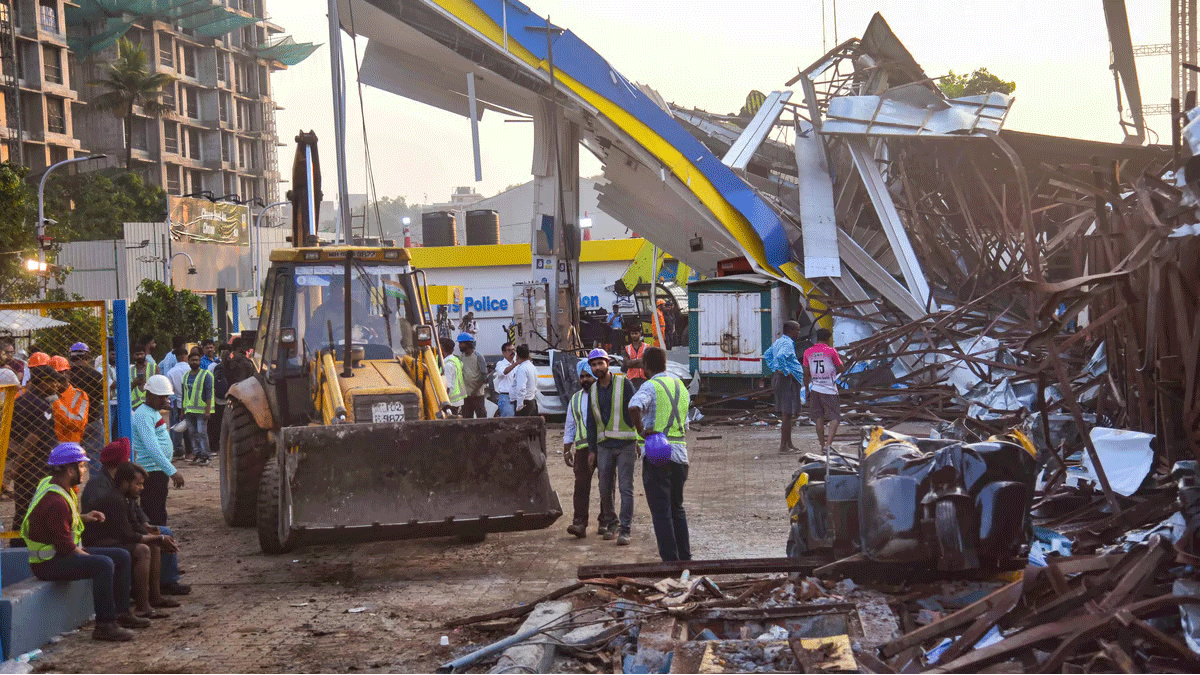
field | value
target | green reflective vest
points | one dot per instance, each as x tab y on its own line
193	391
455	389
616	427
138	395
671	401
579	414
39	552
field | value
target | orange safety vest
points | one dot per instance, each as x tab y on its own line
635	373
70	415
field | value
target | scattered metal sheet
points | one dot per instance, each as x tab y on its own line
899	112
756	131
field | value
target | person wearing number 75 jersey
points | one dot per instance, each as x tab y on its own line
822	365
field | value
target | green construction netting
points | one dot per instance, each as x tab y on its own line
286	51
204	17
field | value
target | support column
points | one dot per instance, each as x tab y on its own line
555	234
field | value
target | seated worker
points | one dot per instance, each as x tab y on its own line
332	311
119	528
100	485
52	532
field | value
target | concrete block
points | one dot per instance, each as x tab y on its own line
33	611
14	565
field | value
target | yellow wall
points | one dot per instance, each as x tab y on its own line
495	255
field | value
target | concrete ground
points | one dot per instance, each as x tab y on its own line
382	606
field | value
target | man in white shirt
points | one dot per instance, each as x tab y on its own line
504	380
179	440
524	391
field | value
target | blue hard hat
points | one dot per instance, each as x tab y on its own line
466	337
658	449
67	453
583	367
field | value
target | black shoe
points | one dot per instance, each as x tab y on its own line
579	531
131	621
175	588
109	631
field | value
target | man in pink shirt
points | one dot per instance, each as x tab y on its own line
822	365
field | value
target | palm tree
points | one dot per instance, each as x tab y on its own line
129	82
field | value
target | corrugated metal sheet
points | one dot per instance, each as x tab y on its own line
97	269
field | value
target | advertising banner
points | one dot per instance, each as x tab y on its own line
201	221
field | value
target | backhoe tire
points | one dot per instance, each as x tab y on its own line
956	546
271	539
244	450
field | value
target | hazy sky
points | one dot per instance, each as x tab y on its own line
709	54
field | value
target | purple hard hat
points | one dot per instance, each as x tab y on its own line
67	453
658	450
79	347
597	353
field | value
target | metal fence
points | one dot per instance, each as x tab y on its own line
68	400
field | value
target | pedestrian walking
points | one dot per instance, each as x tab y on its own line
661	407
612	437
452	375
576	452
822	365
197	402
787	378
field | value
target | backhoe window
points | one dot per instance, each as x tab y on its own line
379	320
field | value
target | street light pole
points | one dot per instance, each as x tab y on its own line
41	221
171	269
256	241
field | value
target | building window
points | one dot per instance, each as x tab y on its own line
226	144
166	52
56	116
58	154
193	143
220	67
187	60
245	115
173	179
52	64
195	181
48	17
171	137
223	105
168	96
140	136
189	102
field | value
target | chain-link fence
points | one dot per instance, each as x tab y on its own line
57	354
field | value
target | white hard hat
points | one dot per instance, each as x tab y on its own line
160	385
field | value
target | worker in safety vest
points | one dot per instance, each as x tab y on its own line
661	406
453	376
633	358
53	531
576	452
197	402
71	408
612	438
140	371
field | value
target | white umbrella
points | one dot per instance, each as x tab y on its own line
22	322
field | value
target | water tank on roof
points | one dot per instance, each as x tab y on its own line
483	227
439	228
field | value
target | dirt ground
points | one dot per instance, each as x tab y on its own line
382	606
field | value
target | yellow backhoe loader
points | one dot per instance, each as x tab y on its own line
343	434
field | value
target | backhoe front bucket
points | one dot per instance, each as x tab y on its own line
367	482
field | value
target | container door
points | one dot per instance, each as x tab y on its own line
730	332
